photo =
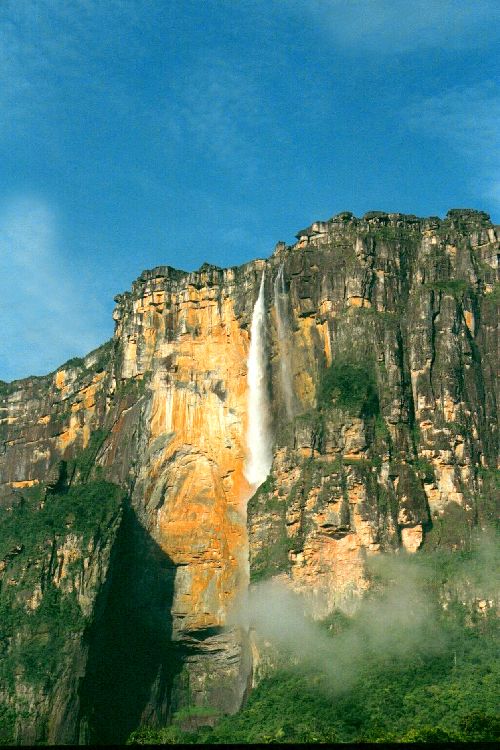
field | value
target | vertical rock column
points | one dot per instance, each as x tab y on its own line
191	491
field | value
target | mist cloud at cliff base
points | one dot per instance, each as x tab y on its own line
401	615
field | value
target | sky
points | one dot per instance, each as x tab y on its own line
137	133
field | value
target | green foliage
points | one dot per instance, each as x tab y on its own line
104	356
59	418
103	352
389	233
6	388
425	694
84	462
73	362
272	558
479	727
171	735
189	712
425	469
351	386
33	641
454	287
493	298
421	698
267	485
415	433
381	431
82	510
133	388
7	724
362	465
41	638
491	477
490	496
90	505
451	529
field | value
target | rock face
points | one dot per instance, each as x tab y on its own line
51	585
382	345
394	340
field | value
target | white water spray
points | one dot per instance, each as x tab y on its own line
282	323
259	444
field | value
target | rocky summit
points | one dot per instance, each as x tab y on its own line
130	516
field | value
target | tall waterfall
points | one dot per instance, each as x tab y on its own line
259	443
281	306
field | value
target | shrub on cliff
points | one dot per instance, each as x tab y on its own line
38	619
351	386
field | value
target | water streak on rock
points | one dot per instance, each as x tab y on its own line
283	328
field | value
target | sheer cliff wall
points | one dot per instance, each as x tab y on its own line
382	344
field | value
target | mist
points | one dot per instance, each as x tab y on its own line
401	615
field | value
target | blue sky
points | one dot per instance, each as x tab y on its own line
136	133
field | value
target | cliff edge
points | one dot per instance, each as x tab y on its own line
381	357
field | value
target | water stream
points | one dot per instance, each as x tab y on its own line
259	439
283	328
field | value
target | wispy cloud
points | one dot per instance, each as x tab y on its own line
397	26
44	316
467	119
219	108
58	59
53	53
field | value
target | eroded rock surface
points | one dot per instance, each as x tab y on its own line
385	438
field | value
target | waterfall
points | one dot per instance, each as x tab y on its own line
259	444
281	306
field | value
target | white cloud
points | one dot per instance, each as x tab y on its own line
467	119
395	26
44	316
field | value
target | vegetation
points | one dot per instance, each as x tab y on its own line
6	388
104	353
133	387
272	558
455	287
493	298
73	362
350	385
381	431
451	529
422	699
85	460
389	233
81	510
60	418
425	469
39	619
490	497
424	695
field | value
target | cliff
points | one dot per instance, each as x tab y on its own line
382	354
